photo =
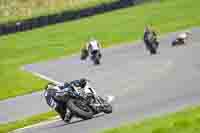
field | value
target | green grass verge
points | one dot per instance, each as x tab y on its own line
19	9
5	128
187	121
64	39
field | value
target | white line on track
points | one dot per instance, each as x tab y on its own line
51	120
43	77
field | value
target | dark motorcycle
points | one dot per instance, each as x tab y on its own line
95	57
178	41
153	46
81	105
151	42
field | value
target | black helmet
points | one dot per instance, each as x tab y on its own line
83	82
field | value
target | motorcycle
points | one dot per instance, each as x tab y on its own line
152	46
178	42
95	57
151	42
81	104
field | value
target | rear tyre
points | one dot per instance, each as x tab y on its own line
153	50
79	108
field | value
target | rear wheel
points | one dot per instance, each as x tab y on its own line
79	108
153	50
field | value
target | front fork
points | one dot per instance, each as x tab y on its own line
98	105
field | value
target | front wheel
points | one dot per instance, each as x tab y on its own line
79	108
97	58
96	61
107	109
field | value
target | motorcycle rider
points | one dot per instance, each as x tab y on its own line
93	46
52	94
55	91
150	35
183	37
88	91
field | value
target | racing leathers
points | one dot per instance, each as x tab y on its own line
54	92
182	37
52	96
93	47
150	40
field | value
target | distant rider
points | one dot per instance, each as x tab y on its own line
150	35
183	37
91	48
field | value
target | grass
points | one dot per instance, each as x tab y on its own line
15	10
64	39
8	127
187	121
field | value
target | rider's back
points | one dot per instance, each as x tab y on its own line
94	45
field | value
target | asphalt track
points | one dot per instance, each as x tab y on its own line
143	85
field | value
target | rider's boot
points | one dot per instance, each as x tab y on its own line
68	116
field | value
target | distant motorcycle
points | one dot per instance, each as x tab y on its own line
181	39
95	56
153	45
81	104
178	42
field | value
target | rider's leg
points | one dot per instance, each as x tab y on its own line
61	111
157	43
64	112
68	115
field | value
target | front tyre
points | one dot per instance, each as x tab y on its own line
107	109
79	108
96	56
96	61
